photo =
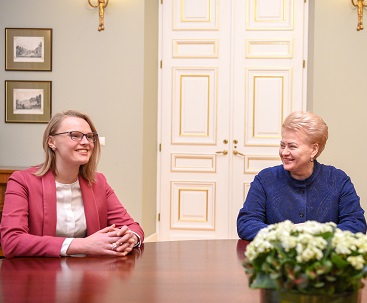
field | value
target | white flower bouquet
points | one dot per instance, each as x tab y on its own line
312	258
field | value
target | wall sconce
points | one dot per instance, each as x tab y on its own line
102	4
360	5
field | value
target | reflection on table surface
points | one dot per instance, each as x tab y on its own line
73	279
180	271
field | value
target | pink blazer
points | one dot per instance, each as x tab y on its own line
28	225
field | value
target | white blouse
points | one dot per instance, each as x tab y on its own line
71	222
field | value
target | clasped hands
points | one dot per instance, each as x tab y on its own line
110	241
125	239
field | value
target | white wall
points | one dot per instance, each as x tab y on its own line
337	86
99	73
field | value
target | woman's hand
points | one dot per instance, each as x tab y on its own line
110	241
127	240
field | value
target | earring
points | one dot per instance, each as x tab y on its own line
311	160
53	147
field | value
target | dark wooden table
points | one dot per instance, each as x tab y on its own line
184	271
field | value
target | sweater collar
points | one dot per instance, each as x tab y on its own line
304	183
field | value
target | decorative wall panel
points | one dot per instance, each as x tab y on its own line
192	205
195	14
270	15
268	100
266	49
255	163
193	163
194	105
195	49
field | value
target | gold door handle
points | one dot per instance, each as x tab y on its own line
237	153
225	152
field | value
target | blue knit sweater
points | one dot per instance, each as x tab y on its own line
328	195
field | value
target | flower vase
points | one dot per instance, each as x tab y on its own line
283	296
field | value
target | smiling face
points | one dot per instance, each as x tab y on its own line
296	153
71	154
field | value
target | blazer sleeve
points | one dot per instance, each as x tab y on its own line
23	230
351	214
252	215
28	225
110	209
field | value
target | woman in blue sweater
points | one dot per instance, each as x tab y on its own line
301	189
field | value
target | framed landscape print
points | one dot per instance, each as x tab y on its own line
28	49
27	101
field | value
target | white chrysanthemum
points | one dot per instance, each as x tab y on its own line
263	240
356	261
344	242
361	243
306	243
256	248
309	247
289	243
315	228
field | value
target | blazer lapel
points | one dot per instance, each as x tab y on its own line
90	207
49	204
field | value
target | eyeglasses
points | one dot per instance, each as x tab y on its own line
78	136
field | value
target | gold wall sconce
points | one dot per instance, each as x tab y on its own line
102	4
360	5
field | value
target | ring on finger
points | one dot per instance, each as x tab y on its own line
113	246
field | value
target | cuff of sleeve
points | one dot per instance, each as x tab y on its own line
138	244
65	246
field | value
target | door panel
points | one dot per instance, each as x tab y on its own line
231	71
194	114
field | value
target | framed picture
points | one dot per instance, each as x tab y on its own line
27	101
28	49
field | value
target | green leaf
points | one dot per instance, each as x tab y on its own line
330	278
323	267
302	282
338	261
319	284
311	274
263	281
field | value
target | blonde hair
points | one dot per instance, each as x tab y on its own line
88	170
311	124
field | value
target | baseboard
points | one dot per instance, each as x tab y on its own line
151	238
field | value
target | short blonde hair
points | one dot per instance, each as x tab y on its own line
88	170
311	124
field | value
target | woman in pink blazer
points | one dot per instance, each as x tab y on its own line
63	206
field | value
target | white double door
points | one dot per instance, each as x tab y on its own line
232	70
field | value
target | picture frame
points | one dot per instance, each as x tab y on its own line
28	101
28	49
